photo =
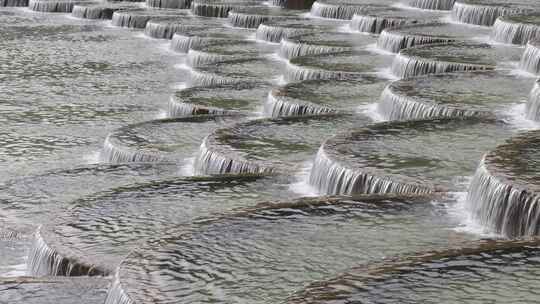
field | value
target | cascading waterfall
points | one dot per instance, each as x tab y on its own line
246	20
116	293
125	19
183	43
533	104
335	11
296	73
479	14
216	10
207	79
399	107
375	24
53	6
197	58
392	41
95	11
164	30
443	5
211	162
7	3
115	153
507	31
172	4
290	49
45	261
331	178
280	107
275	34
406	66
181	109
502	207
530	60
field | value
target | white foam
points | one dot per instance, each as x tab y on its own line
386	73
179	86
302	186
92	158
370	110
18	270
467	224
373	48
516	116
188	169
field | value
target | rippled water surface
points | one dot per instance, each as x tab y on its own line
168	156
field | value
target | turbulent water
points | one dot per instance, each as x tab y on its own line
233	151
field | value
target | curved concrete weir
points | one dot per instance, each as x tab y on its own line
517	29
530	61
504	194
283	246
476	93
452	57
166	140
218	100
269	145
395	39
343	65
381	158
319	97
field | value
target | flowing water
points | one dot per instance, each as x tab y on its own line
234	151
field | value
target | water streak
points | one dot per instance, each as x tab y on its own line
332	178
501	206
443	5
275	106
399	107
394	41
172	4
405	66
479	14
530	60
290	49
211	162
375	24
533	104
335	11
513	32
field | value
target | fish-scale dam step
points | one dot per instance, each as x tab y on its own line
485	12
138	18
395	39
274	30
55	6
99	11
376	21
288	243
418	156
530	61
478	271
319	97
165	28
452	57
343	65
344	9
165	140
183	41
504	194
236	71
476	93
517	29
253	17
443	5
229	50
219	99
321	43
269	145
220	8
99	230
170	4
8	3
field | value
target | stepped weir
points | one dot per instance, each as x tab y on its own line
190	151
